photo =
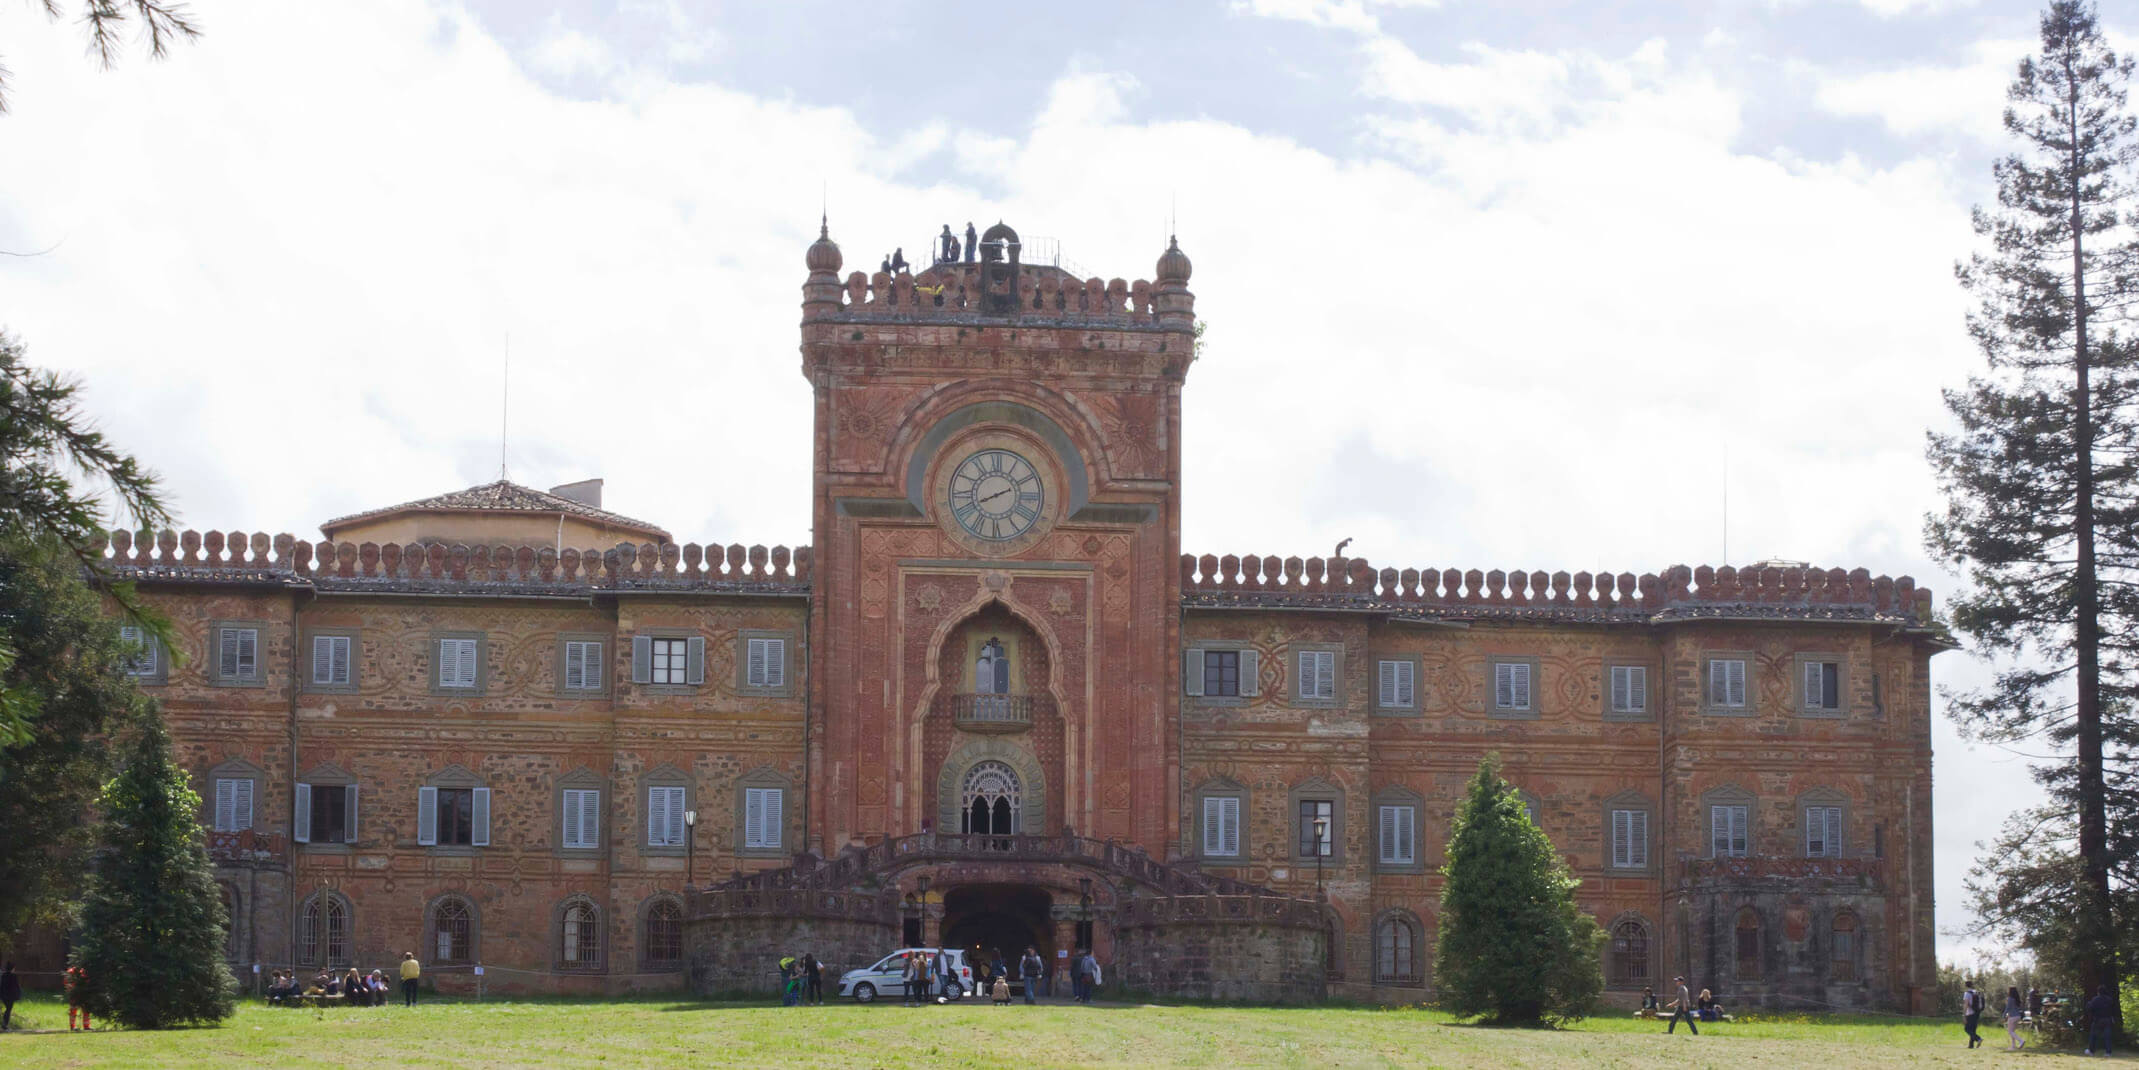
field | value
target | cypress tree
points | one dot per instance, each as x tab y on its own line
2042	493
1514	947
152	925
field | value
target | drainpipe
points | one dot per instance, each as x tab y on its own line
290	867
1663	816
809	702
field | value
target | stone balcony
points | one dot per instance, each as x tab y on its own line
993	713
1809	874
247	848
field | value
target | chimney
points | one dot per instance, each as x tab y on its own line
586	492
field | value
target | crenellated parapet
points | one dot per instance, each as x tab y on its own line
952	290
1679	592
239	557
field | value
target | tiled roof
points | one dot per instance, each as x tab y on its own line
503	496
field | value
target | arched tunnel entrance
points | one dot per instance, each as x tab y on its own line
987	919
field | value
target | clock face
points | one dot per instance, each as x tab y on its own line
996	495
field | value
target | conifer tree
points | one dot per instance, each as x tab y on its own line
153	925
1513	946
2042	493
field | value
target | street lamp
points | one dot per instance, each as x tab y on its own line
690	845
1321	846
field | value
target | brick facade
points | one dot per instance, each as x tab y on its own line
1075	787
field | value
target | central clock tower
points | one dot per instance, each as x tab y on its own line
995	616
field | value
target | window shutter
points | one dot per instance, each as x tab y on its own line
1326	674
754	674
754	817
776	663
248	653
226	653
1834	831
1389	845
344	653
773	828
642	659
575	666
1622	830
1719	831
1738	846
694	660
1229	811
1735	676
226	795
1192	675
301	821
1522	686
1504	686
426	816
1304	681
1638	837
1622	689
1212	834
1251	672
1637	689
241	808
322	660
469	663
590	818
657	817
479	820
1406	695
349	792
1385	675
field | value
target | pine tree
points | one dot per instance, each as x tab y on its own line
2040	480
1513	947
153	926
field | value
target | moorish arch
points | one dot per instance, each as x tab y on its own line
1016	759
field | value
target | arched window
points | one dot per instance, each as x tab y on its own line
664	933
1396	950
230	917
990	800
1748	957
1842	948
581	932
1630	953
452	932
323	923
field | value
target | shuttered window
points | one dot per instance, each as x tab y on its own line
145	660
664	816
237	653
1221	826
1726	683
457	663
1630	689
1726	831
331	660
766	666
582	665
233	804
668	661
1394	690
671	660
325	813
1823	832
762	823
1511	685
582	818
1318	674
1316	827
1823	685
1630	839
453	817
1398	833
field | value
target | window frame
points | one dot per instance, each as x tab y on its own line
1399	798
605	663
763	778
1530	710
694	646
787	639
648	963
356	649
594	923
1314	790
1843	962
1249	683
1805	706
1751	663
1383	971
570	789
1297	653
216	676
1821	798
1739	958
322	956
221	776
159	672
429	946
1629	801
335	779
1729	795
1616	976
482	817
437	644
1221	788
1650	675
663	778
1411	664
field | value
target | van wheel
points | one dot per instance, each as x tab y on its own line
865	993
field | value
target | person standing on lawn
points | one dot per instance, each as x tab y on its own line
1682	1008
812	979
410	971
2101	1022
1086	972
1031	967
2015	1010
1971	1012
10	991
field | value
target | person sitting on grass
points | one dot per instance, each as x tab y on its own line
1648	1003
1706	1007
354	989
379	989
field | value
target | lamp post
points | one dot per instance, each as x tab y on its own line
1321	847
690	845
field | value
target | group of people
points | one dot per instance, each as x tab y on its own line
354	988
801	981
2098	1017
1686	1008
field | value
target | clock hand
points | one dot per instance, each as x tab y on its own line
996	495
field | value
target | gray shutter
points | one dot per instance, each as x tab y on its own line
1638	689
1738	840
241	810
656	817
753	817
1251	672
1407	821
1522	686
754	665
776	663
226	653
1192	672
694	665
479	823
1303	676
1211	832
226	793
1503	686
1388	845
642	659
1406	693
1719	831
1229	812
774	797
349	824
1621	685
301	821
426	816
1813	683
1326	674
1734	682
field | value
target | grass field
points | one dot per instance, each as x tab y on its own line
666	1032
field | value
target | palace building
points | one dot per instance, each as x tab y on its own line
995	704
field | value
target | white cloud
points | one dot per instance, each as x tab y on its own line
568	53
1519	340
1354	15
1966	99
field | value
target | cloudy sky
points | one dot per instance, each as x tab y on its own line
1514	285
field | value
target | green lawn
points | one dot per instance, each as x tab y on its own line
665	1032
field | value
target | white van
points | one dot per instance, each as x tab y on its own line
887	978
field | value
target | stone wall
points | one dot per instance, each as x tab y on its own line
741	954
1220	959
